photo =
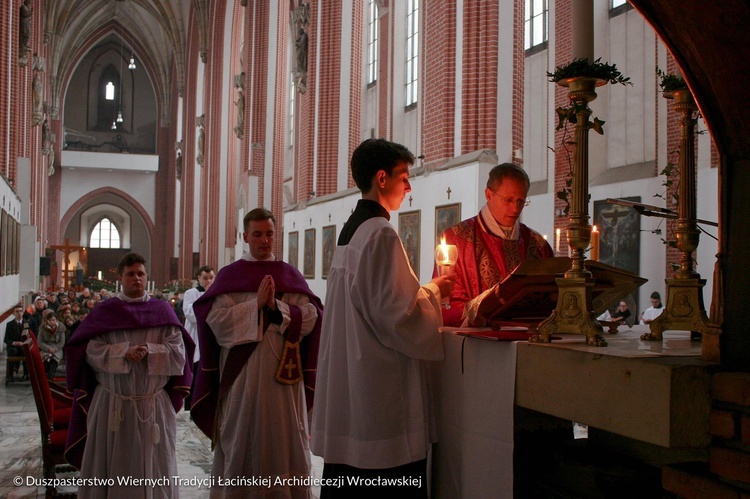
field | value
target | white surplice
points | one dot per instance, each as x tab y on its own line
373	404
131	421
262	424
191	325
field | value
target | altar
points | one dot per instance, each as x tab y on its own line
655	393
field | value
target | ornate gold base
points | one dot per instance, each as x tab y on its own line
572	314
684	311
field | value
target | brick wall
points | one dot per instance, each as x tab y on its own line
727	474
439	87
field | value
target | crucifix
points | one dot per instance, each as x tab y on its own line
329	217
612	219
410	200
67	248
449	192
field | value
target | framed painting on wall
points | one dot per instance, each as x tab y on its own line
619	234
409	231
329	246
293	253
446	216
308	266
620	238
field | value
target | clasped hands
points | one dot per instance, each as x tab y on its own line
267	293
136	353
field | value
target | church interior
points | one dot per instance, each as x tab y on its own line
154	126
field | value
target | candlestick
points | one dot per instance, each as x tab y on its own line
595	244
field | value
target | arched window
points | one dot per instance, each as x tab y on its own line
105	235
109	93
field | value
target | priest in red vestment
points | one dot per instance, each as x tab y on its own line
493	243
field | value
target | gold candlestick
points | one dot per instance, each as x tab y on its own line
685	309
573	313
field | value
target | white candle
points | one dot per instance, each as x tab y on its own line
557	240
583	29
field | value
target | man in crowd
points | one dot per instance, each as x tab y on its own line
128	366
205	277
492	244
373	415
15	335
257	323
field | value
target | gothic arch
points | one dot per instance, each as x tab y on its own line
76	207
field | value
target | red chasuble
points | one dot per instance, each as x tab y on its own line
485	259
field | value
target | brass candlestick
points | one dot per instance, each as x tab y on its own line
573	313
685	309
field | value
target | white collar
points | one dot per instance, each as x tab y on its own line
250	258
494	228
122	296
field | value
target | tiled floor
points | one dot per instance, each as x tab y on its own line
21	452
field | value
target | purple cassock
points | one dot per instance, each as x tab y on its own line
115	314
245	276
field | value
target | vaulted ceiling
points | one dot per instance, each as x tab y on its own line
155	30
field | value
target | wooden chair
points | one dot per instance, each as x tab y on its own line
53	417
9	368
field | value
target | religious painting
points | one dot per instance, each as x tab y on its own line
446	216
620	234
329	245
308	265
408	231
292	257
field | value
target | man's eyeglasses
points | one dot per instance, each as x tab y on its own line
509	201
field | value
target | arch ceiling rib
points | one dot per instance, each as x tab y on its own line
154	29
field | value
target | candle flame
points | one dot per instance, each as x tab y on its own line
594	229
444	249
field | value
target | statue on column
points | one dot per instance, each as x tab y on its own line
178	160
301	19
37	107
48	151
201	124
24	33
239	83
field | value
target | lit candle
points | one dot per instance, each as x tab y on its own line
557	240
446	256
595	244
583	29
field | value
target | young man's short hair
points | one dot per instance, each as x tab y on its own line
205	268
257	215
128	260
507	170
374	155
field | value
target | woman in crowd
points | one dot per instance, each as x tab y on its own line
51	339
